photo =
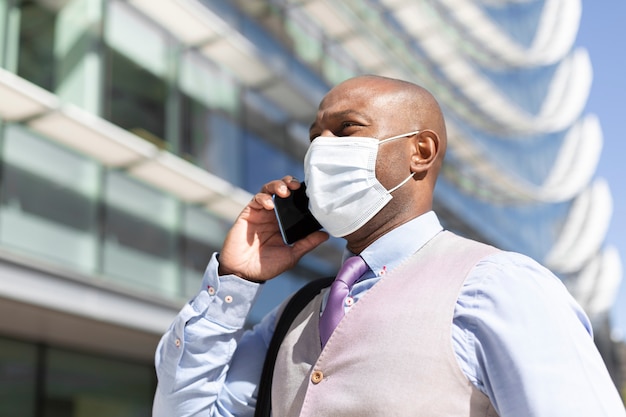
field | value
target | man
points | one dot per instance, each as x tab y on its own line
437	325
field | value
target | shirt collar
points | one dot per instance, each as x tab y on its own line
395	246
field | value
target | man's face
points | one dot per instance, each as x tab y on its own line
367	108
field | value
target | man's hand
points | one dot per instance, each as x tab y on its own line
254	248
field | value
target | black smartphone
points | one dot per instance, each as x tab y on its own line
294	218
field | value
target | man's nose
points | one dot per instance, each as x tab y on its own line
327	132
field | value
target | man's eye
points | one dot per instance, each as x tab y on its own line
348	128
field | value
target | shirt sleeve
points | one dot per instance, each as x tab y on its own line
523	340
206	364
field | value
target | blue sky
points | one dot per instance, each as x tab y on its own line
603	33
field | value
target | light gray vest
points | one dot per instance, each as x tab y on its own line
391	355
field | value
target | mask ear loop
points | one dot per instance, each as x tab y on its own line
399	136
402	183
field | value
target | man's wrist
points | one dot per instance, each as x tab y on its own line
224	271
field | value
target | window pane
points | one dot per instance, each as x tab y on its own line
48	200
36	57
203	234
133	37
306	46
46	159
206	83
77	60
17	378
135	97
139	235
57	49
264	119
136	93
140	200
214	140
79	385
264	163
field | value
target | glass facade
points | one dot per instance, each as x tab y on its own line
62	207
109	223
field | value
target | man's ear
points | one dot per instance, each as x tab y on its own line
425	151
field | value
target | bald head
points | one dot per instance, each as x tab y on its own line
415	102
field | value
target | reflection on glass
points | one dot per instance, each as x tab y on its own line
36	57
135	97
213	139
136	89
263	163
48	202
202	234
139	235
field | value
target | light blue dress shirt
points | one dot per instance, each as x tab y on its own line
517	333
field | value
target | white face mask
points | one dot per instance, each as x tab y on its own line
341	182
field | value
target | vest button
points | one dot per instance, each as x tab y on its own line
316	377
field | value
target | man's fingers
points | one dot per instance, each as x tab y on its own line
281	187
262	201
292	182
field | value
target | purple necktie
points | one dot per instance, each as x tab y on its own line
334	311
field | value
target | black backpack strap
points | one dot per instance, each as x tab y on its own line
294	306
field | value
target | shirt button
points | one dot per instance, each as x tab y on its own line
177	342
228	299
316	377
211	290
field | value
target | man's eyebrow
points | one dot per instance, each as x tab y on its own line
347	113
343	114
